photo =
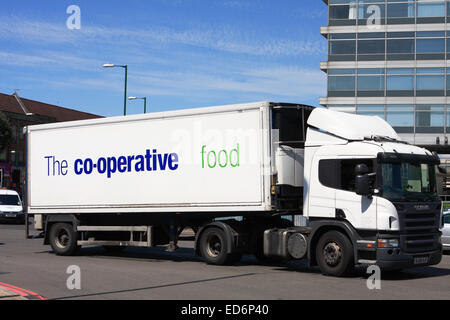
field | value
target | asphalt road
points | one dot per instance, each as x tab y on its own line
139	273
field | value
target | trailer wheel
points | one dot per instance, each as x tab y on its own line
63	239
214	247
334	253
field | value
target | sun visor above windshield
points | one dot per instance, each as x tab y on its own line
351	126
410	158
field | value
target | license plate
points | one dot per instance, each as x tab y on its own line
421	260
10	215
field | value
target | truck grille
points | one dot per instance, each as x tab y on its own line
419	230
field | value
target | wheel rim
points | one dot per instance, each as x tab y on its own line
213	245
62	238
332	253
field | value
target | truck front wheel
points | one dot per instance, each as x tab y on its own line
214	248
63	239
334	254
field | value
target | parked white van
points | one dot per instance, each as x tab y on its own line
11	208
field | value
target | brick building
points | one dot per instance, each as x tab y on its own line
20	113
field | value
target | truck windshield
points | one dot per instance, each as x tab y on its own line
409	182
9	200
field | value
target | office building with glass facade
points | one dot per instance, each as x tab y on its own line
391	59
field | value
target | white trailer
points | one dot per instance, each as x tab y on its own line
140	180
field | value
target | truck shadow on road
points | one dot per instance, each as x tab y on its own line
361	272
155	254
158	254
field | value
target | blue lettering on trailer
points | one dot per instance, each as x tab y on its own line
150	161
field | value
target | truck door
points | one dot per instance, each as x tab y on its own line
360	211
322	188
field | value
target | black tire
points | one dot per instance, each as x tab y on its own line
334	254
63	239
214	248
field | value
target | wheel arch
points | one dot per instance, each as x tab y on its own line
319	228
224	226
52	219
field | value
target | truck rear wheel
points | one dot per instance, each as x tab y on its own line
63	239
334	254
214	248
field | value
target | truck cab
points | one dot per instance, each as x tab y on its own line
380	191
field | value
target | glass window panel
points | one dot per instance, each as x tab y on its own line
401	10
342	47
370	107
429	34
430	9
430	119
367	11
369	1
343	83
400	82
371	46
343	12
400	119
430	45
401	34
341	1
370	35
341	71
430	83
339	36
368	83
400	46
430	107
371	71
430	70
400	107
400	71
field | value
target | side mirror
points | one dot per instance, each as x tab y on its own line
362	185
362	181
361	169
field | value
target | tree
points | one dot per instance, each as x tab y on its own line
5	131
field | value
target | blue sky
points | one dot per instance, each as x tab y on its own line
180	53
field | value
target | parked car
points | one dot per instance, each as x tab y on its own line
446	231
11	208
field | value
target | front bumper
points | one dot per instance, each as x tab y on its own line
7	217
391	259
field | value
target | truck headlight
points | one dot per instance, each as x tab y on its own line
388	243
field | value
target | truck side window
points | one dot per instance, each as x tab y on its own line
340	173
329	173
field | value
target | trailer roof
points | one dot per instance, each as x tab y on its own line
170	114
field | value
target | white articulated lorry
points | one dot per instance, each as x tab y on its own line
365	196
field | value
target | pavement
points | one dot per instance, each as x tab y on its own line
154	274
9	295
11	292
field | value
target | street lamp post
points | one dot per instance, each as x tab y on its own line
108	65
143	98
